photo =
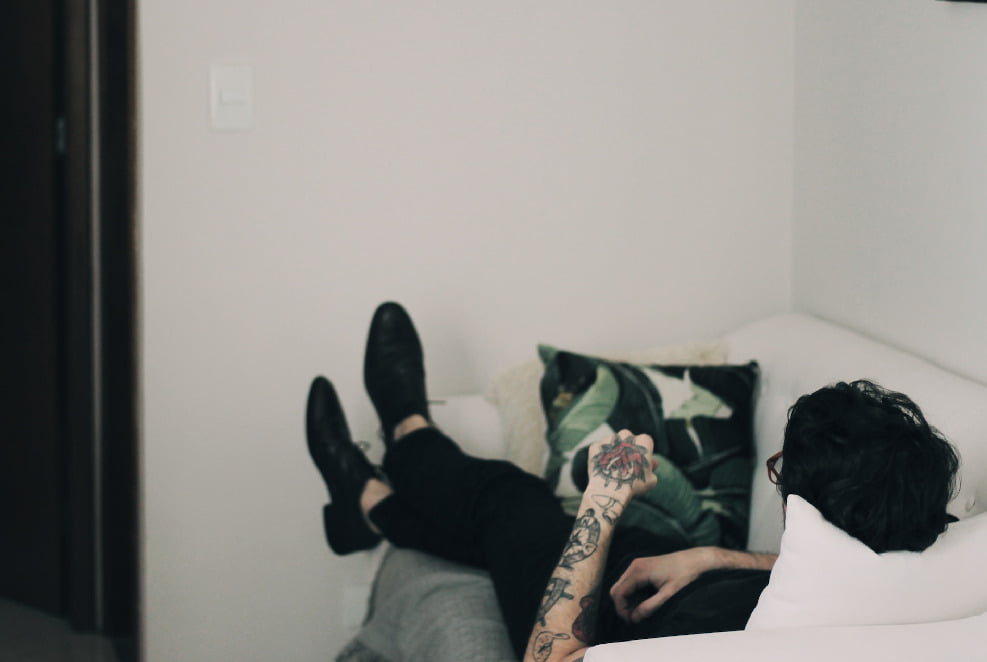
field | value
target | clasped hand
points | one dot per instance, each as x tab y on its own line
649	582
622	466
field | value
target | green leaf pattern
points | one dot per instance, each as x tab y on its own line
703	491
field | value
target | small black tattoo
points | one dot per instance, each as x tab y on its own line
584	625
621	461
554	592
610	507
583	541
542	649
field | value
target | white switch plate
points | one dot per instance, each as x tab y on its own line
231	97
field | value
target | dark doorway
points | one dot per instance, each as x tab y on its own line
68	472
32	553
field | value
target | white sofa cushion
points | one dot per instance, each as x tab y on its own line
472	422
824	576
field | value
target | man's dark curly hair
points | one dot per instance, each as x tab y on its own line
868	460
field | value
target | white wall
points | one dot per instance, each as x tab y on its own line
891	173
591	174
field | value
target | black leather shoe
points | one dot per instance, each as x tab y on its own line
344	469
394	368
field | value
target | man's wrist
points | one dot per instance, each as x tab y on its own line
609	505
729	559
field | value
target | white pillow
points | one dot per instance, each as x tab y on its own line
824	576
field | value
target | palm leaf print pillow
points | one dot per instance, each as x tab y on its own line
700	418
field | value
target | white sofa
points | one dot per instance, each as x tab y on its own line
798	354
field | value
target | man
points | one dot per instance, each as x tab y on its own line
863	456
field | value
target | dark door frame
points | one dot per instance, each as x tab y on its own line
118	298
97	133
75	138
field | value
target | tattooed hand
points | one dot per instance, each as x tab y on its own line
622	466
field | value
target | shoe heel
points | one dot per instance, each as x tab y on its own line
346	532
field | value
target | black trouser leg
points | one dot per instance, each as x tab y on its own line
404	526
486	512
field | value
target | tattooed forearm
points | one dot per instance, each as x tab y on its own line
554	592
543	644
563	628
621	461
583	628
583	541
610	507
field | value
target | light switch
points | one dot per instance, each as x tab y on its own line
231	91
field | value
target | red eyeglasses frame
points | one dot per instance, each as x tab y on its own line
773	475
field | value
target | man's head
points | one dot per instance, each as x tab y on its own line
866	458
